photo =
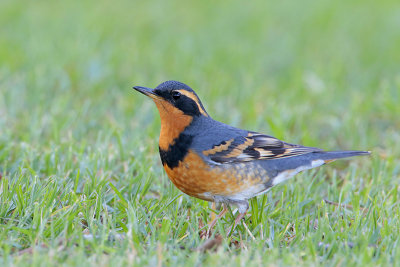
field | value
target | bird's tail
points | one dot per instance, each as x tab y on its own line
333	155
287	167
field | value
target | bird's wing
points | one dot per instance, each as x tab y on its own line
254	146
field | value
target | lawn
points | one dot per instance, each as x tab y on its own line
81	181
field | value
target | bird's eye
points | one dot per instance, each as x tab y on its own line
175	95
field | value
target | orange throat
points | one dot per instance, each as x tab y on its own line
173	122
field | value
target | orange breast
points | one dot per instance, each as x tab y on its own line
195	178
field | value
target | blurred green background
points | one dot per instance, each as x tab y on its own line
320	73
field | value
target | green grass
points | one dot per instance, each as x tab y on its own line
82	182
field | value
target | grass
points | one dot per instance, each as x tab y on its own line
81	180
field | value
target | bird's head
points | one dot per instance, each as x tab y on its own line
175	97
178	106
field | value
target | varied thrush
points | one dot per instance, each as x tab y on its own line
210	160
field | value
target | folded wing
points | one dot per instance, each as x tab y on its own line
254	146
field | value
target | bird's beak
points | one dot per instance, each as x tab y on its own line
146	91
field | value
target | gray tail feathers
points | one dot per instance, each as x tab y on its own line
332	155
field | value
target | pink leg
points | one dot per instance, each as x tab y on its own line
237	221
243	206
220	215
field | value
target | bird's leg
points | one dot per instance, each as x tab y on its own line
220	215
213	214
237	221
243	207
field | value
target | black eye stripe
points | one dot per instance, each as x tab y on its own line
175	95
184	100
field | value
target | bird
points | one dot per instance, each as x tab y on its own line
212	161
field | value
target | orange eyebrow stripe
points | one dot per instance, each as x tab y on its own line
219	148
195	99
